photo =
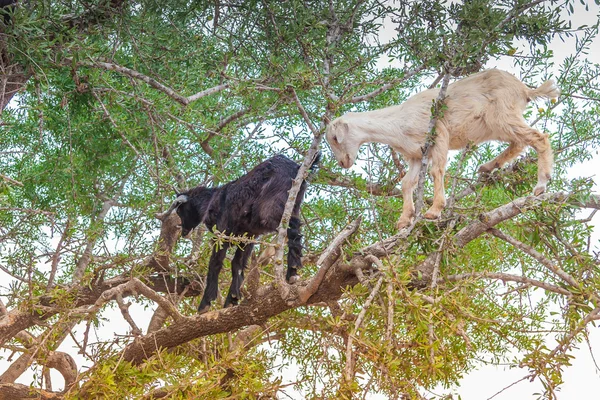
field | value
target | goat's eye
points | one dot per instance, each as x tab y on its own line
334	139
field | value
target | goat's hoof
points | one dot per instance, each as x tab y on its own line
539	190
403	224
486	168
202	310
432	214
293	279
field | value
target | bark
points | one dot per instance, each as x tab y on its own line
486	221
12	80
268	303
16	391
17	320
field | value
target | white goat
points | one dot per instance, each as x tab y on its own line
485	106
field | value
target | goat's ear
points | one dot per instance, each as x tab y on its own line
342	131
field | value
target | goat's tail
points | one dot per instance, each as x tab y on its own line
548	89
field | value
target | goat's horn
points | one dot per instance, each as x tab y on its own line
182	198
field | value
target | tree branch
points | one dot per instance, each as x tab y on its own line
17	391
349	367
10	180
407	75
374	189
486	221
293	193
326	260
151	81
505	278
536	255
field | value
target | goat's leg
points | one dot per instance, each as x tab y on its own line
294	258
512	151
409	182
541	143
238	264
212	279
439	159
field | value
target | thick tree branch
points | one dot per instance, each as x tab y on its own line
267	303
17	391
326	260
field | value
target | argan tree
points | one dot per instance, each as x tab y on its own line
108	107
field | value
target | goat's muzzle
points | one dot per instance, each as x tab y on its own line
346	162
185	232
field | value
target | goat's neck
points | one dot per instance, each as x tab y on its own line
372	127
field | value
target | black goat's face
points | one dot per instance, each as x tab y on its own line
190	218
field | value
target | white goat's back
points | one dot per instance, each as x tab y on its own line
485	106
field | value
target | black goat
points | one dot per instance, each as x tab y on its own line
251	205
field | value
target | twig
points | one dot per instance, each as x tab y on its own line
374	189
224	122
407	75
389	329
511	385
124	307
506	278
563	343
536	255
305	116
349	367
85	258
56	256
10	180
151	81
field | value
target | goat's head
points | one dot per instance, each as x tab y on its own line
189	215
342	143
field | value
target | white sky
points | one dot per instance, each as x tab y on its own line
582	379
